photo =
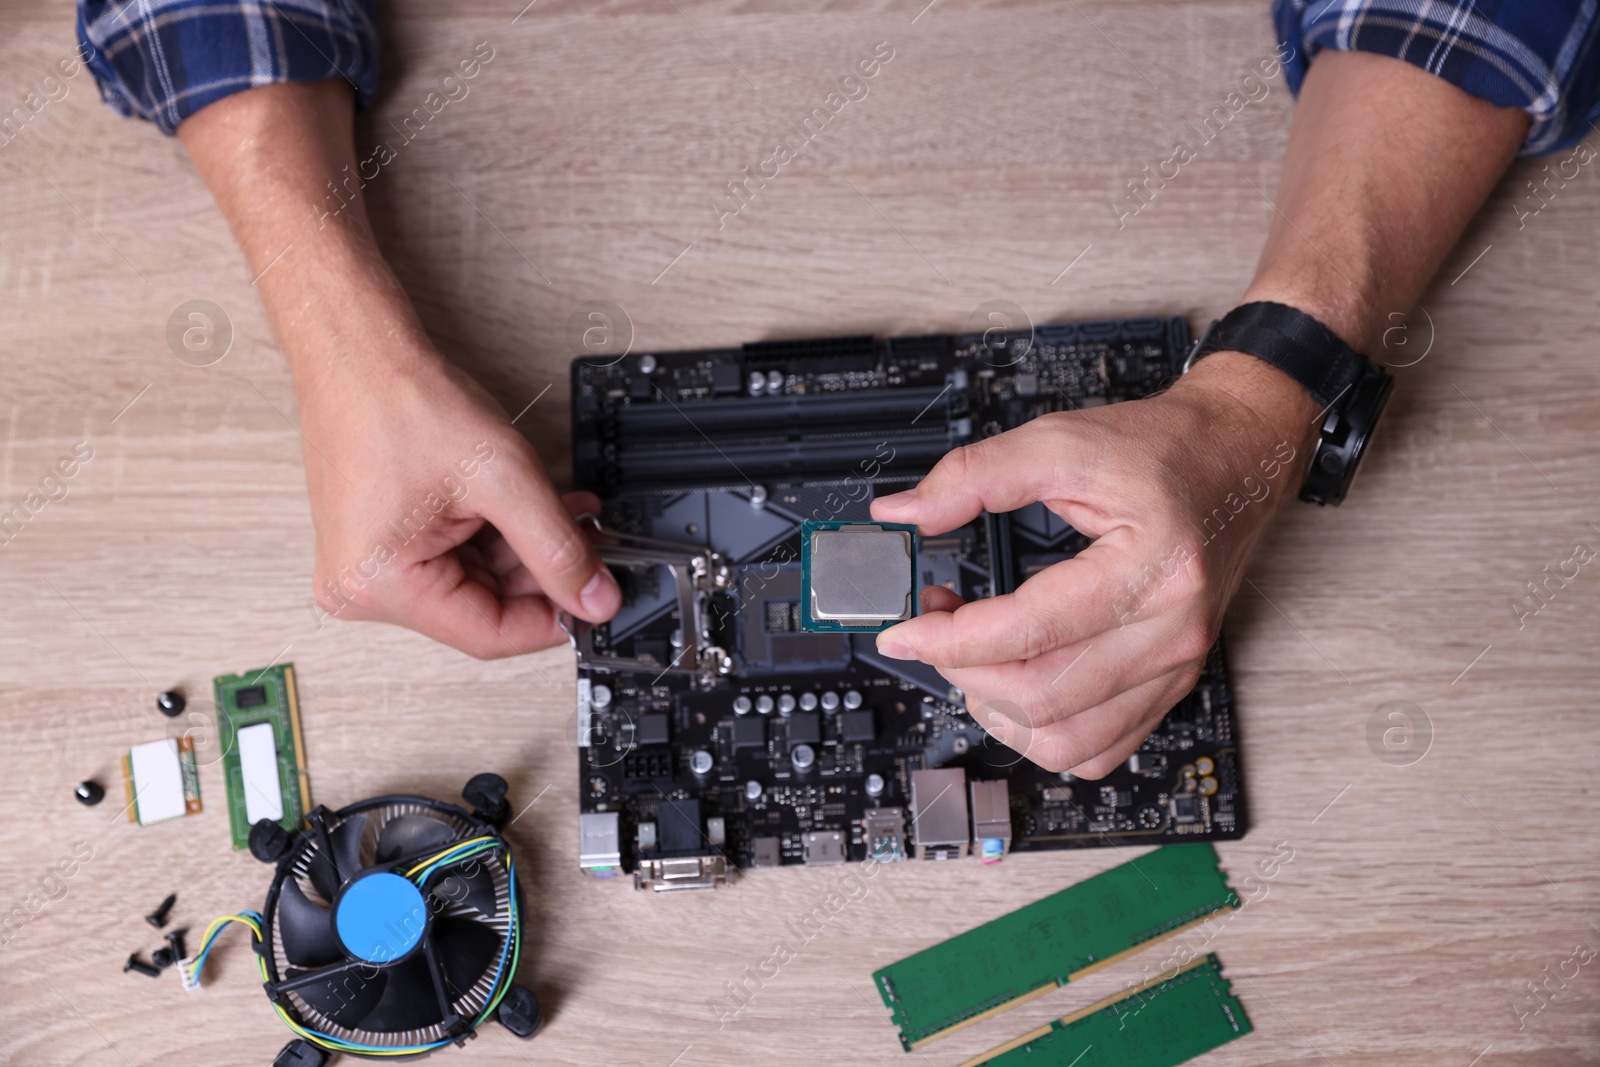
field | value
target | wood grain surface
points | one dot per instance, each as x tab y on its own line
1422	900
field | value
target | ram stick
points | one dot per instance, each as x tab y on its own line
263	753
1043	945
1162	1023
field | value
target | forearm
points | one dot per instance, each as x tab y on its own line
1386	164
268	156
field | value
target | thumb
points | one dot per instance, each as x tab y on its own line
539	527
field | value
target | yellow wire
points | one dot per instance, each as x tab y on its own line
440	855
336	1043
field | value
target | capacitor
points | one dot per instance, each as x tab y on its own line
758	383
700	762
765	704
803	757
774	381
874	785
852	700
758	496
830	702
741	705
808	702
752	790
647	364
786	704
600	696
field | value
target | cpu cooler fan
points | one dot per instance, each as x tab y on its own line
392	926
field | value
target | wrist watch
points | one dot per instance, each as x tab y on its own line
1351	389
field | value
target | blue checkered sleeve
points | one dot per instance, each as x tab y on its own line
163	60
1539	55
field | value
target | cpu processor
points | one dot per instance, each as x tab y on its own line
857	577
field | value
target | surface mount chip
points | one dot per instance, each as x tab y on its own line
856	577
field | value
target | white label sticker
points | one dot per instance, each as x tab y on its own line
157	781
258	763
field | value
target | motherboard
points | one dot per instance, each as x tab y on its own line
716	734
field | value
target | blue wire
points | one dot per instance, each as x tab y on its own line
505	953
200	960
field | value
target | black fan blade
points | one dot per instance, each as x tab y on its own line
408	1002
466	948
346	840
347	997
307	928
470	885
411	834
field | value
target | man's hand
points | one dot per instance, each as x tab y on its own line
1074	668
1385	165
431	510
433	513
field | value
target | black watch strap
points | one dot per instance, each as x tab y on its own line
1351	390
1290	340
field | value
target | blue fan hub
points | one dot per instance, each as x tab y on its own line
380	917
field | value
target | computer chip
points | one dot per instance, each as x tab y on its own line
857	577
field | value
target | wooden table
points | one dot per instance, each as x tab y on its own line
1421	900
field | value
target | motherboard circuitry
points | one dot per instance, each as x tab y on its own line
714	734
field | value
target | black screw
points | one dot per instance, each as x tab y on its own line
136	964
162	958
158	918
171	703
175	942
89	793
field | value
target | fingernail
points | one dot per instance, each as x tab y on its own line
896	501
896	650
601	597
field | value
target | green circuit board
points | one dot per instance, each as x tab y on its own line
263	753
1159	1024
1036	948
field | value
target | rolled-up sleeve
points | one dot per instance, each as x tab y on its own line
163	60
1539	55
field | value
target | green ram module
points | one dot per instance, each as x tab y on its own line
1162	1023
1036	948
263	753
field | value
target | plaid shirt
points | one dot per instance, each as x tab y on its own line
163	60
1539	55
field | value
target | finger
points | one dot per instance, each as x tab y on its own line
1101	730
502	561
1117	754
582	502
1001	473
538	525
938	598
437	598
1065	603
1070	680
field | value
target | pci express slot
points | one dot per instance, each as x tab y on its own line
1034	949
698	461
1161	1023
